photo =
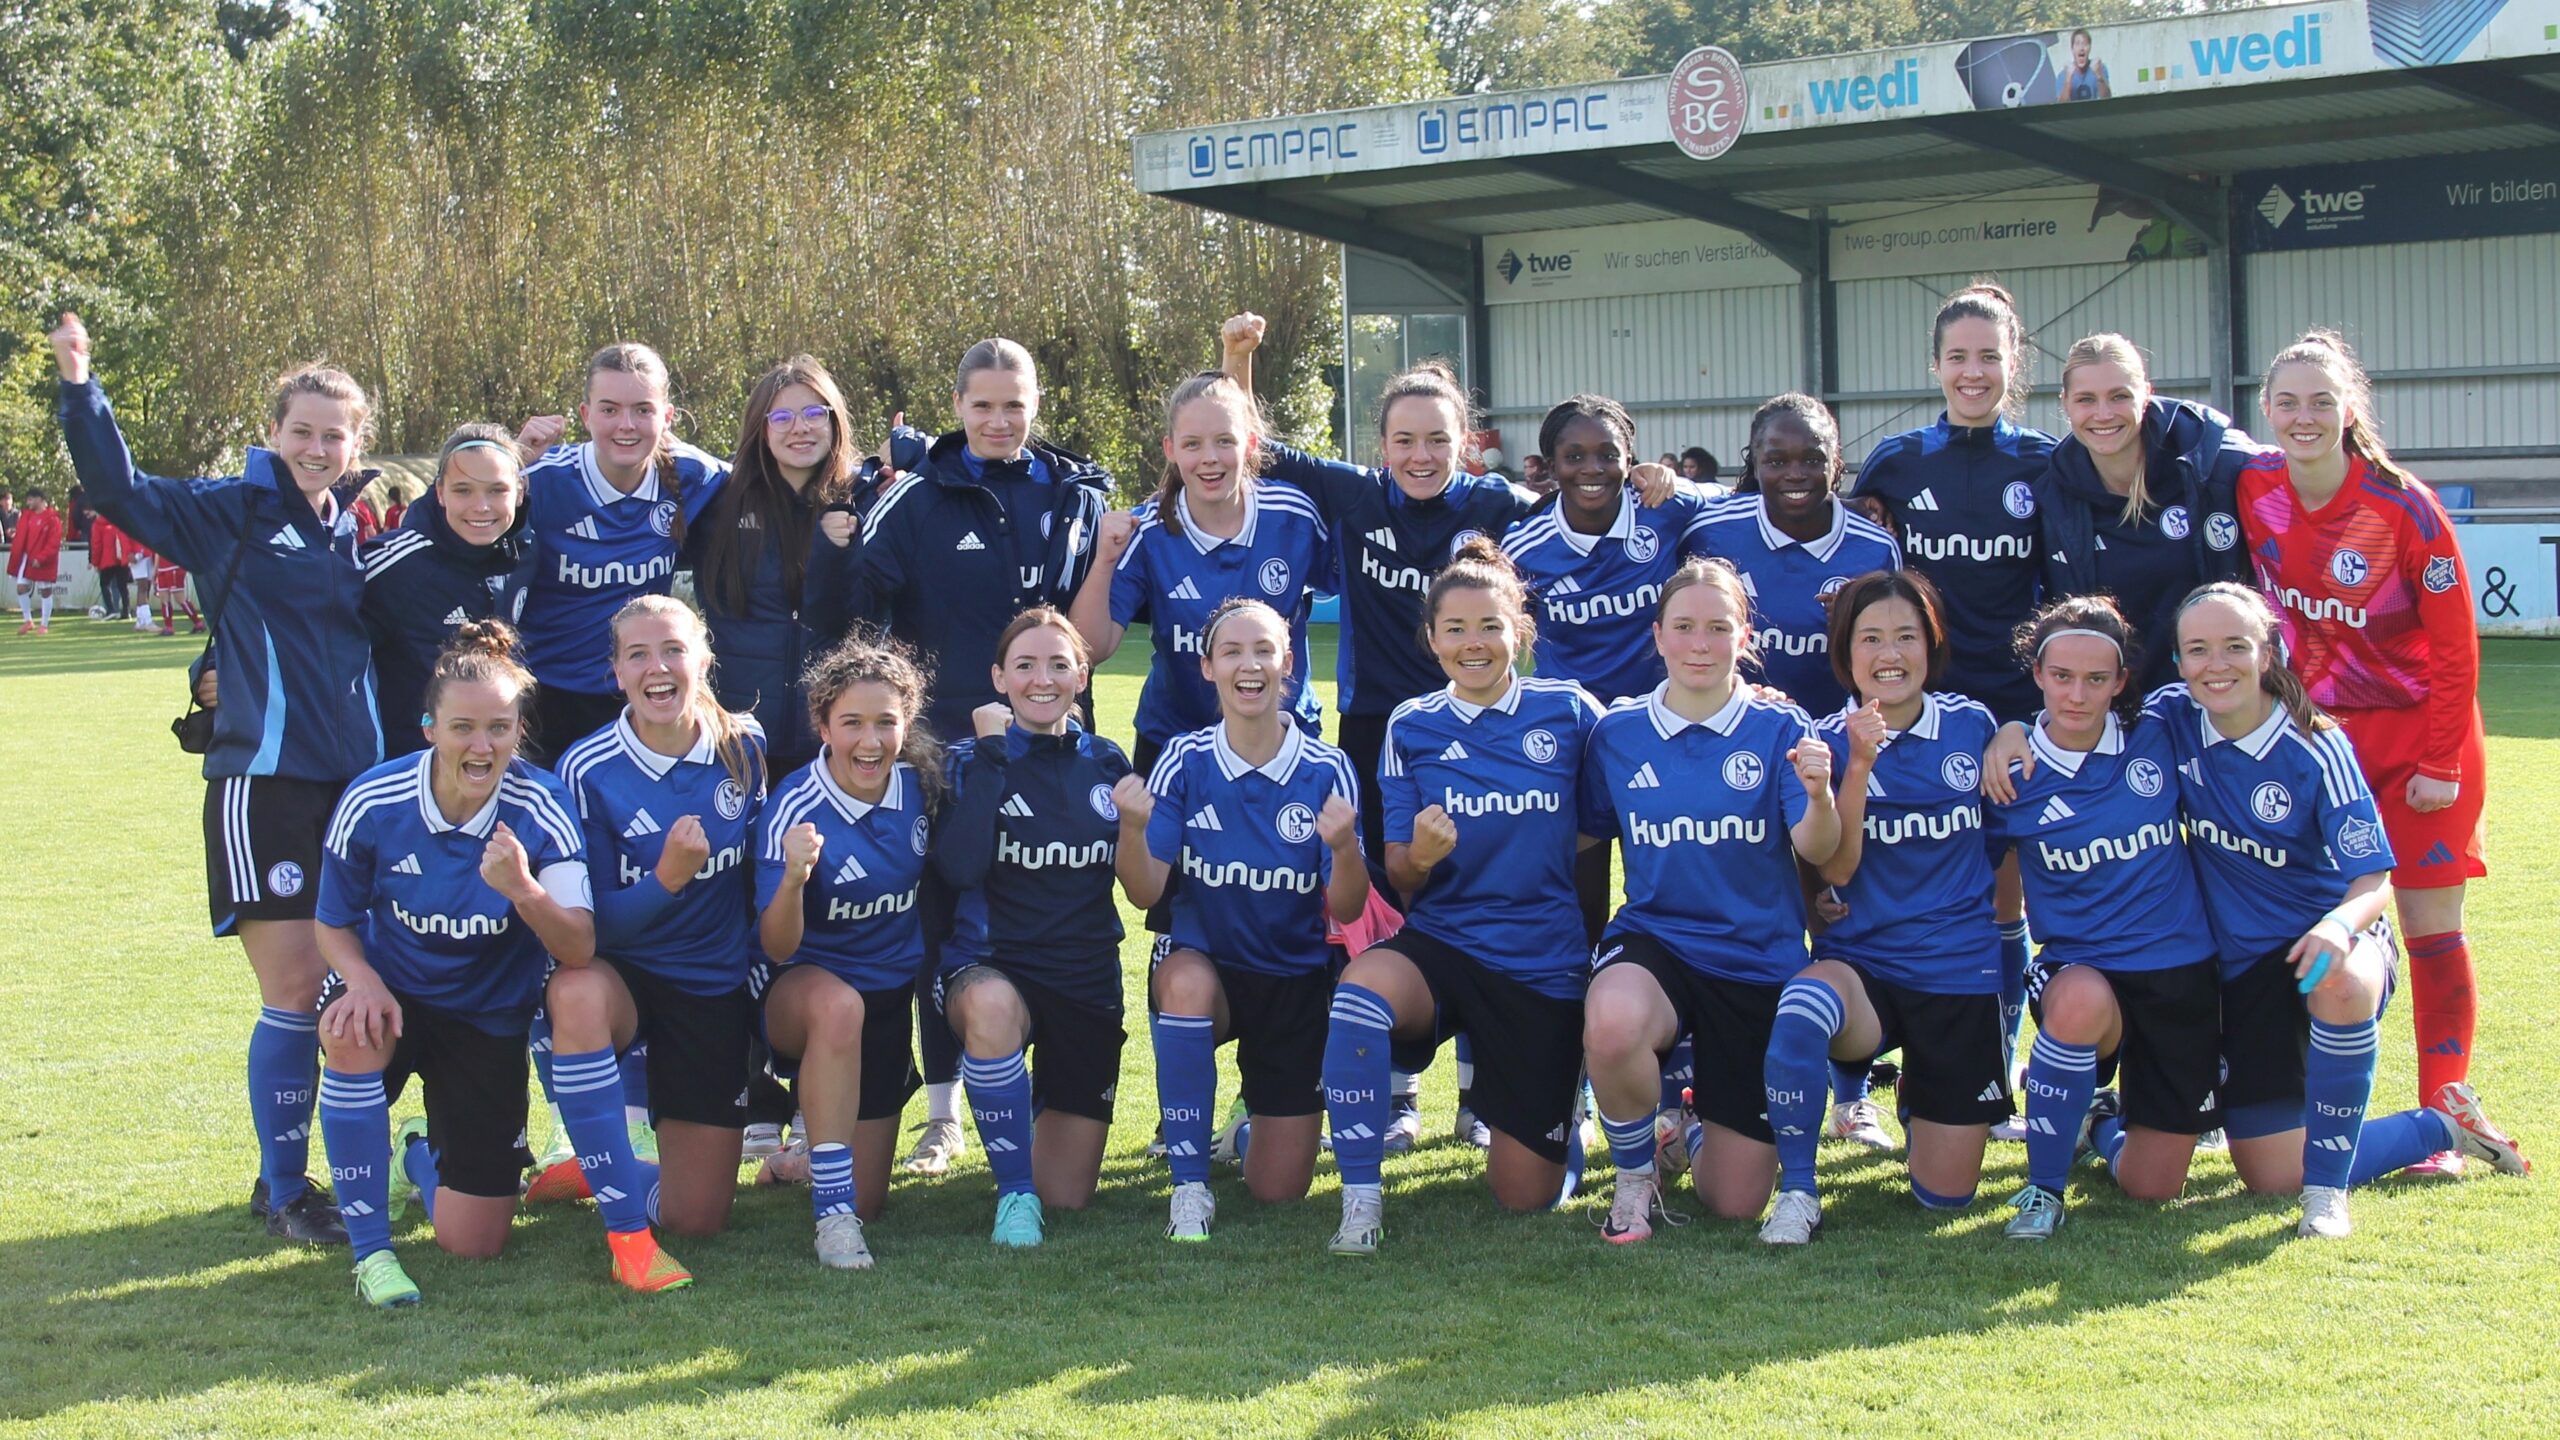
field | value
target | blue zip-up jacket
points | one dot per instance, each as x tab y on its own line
422	582
297	677
1963	499
937	566
763	646
2189	532
1388	547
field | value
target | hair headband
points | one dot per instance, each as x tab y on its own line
475	443
2112	642
1209	637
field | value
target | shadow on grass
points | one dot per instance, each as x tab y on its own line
1466	1309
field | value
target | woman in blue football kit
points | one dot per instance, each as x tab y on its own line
1595	558
1714	794
669	795
1031	842
1478	785
448	876
2126	962
608	519
1914	962
275	550
450	561
2296	869
1260	819
1795	544
1961	496
840	860
2141	500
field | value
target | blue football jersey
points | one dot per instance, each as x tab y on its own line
1702	810
2108	877
1176	581
2282	822
592	549
1964	500
407	881
1788	580
1028	841
701	938
1506	774
858	909
1595	596
1244	838
1920	899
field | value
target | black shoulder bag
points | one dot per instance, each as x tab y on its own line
194	729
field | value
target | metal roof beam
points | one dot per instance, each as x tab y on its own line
2500	90
1452	264
1517	203
1788	237
2198	207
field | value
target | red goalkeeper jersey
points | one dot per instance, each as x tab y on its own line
2375	598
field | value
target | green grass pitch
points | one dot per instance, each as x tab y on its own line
136	1298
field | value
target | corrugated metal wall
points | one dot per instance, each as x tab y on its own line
2461	305
1723	351
2162	305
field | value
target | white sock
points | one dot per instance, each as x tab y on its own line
48	609
940	1100
142	616
26	612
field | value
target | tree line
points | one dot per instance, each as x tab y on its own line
457	200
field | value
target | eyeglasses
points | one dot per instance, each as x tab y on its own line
814	414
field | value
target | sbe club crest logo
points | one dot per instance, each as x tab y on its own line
1708	102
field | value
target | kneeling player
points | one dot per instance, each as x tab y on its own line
1714	793
843	851
446	876
1260	816
1915	963
2296	871
1477	781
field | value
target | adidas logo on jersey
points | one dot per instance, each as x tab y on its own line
1184	591
1644	778
1455	751
1383	538
2055	812
970	541
1565	585
1875	787
585	529
285	539
851	871
408	866
1206	819
456	617
1922	501
1017	807
641	824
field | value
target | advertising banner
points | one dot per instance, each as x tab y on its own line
2515	575
2391	202
2046	67
1658	257
2077	227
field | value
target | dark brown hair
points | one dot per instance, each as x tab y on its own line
1983	300
759	499
2275	677
1479	564
2329	350
1222	385
482	651
1817	419
889	663
2084	612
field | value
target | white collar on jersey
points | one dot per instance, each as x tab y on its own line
1925	727
1204	542
893	798
601	490
1821	547
1668	722
2257	742
1509	704
1279	767
480	826
1619	529
2110	742
650	761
